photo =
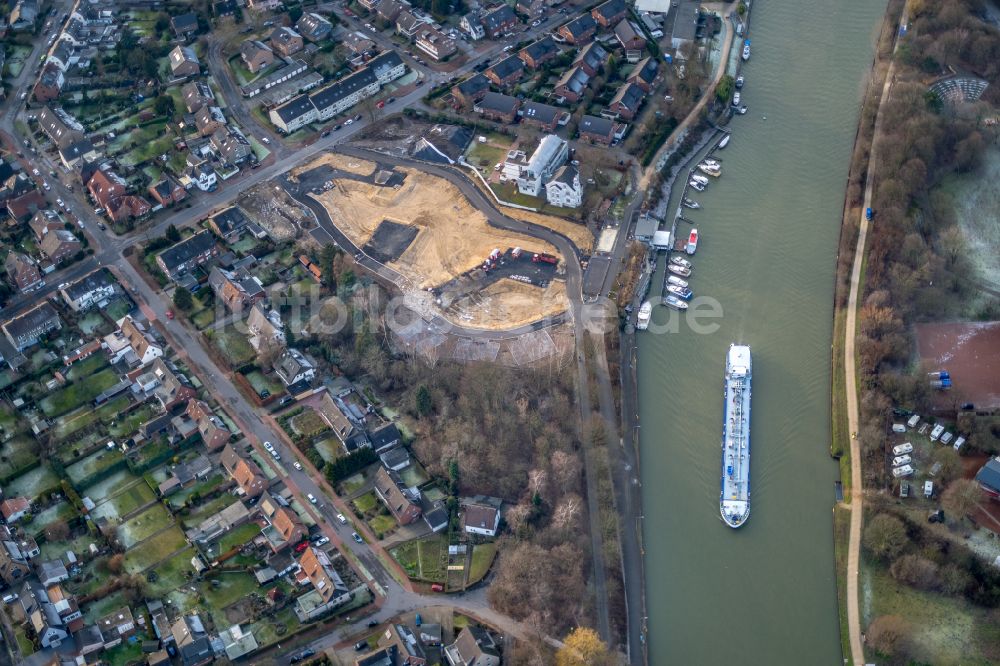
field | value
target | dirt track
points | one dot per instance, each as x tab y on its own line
353	165
970	352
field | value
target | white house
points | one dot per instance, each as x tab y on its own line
481	519
565	190
472	26
292	366
132	336
534	172
94	288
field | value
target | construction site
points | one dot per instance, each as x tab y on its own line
450	259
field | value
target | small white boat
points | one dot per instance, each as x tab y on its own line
676	281
681	261
715	164
739	82
690	203
743	111
679	270
696	185
725	141
746	50
672	301
680	292
736	98
692	244
713	171
642	319
698	178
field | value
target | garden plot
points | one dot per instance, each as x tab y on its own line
80	472
155	549
77	394
17	454
60	512
424	559
132	498
233	345
145	525
307	423
171	573
33	483
110	486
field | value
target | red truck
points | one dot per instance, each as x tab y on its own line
545	259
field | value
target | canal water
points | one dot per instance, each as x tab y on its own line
766	593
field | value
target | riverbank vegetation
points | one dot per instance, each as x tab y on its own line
918	269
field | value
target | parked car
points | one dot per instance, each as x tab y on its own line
301	546
357	537
322	541
170	314
265	139
297	465
361	645
268	446
312	498
341	518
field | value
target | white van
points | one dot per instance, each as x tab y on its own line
936	433
958	443
904	459
898	427
914	420
900	449
946	438
900	472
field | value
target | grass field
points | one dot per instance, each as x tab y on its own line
80	471
267	631
171	573
231	587
77	394
86	367
261	382
110	486
382	525
352	484
144	525
237	537
17	454
129	425
365	503
151	551
482	559
841	536
125	502
307	423
32	483
233	345
208	509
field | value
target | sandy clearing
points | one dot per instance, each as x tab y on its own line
353	165
509	304
578	233
454	236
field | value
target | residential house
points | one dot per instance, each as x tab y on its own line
60	245
61	128
172	388
644	74
214	432
14	508
408	23
127	207
532	173
286	41
630	36
531	8
499	21
71	154
196	95
293	114
66	606
63	55
22	271
290	70
395	459
23	15
471	90
591	58
231	146
285	528
472	25
208	119
266	328
228	224
184	25
186	630
256	55
105	186
369	5
292	366
224	8
188	253
498	107
116	626
167	191
403	503
13	564
183	62
684	29
344	422
47	625
543	116
216	525
313	27
384	438
263	5
506	72
94	288
140	340
565	190
200	175
51	572
435	43
245	472
579	31
387	656
596	130
473	647
538	53
327	585
572	84
88	641
50	83
237	643
198	653
609	13
389	10
21	208
627	101
186	474
27	328
237	289
358	43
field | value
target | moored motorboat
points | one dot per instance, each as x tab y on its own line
713	171
743	110
679	270
680	292
697	186
681	261
698	178
692	244
739	82
674	280
746	50
690	203
725	141
642	319
672	301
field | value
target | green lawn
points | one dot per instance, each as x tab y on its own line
482	559
144	525
233	345
261	382
308	423
271	630
24	645
151	551
382	525
125	502
110	486
87	467
237	537
20	453
86	367
352	484
76	394
104	605
124	428
203	318
170	574
208	509
124	654
365	503
231	588
32	483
